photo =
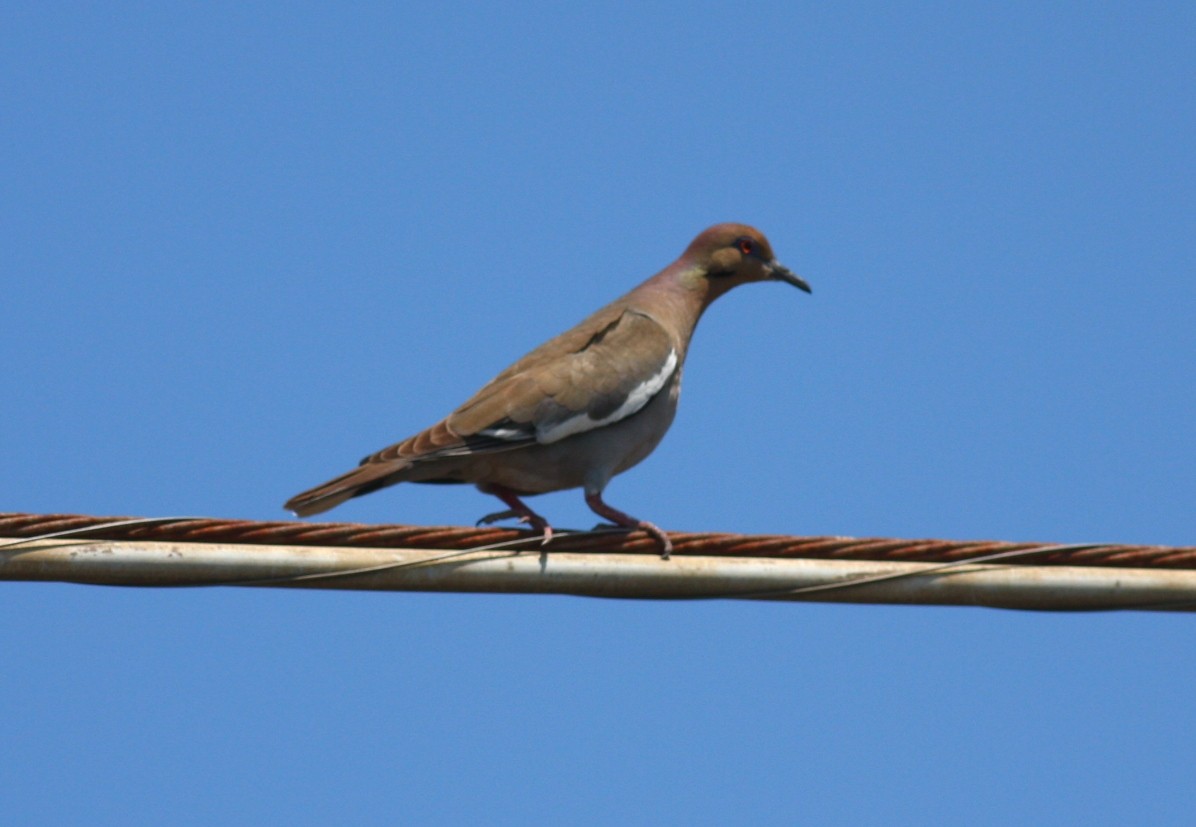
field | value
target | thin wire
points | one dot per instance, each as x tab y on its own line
431	561
72	532
398	564
954	564
821	587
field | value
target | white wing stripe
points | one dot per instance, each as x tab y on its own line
504	433
638	398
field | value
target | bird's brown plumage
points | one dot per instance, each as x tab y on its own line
583	406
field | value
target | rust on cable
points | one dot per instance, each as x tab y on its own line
210	530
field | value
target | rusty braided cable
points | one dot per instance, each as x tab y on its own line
200	530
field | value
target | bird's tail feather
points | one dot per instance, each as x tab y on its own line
361	480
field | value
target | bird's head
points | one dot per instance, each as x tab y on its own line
727	255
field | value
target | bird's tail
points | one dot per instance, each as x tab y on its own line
361	480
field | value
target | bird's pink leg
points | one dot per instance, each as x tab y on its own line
594	501
515	508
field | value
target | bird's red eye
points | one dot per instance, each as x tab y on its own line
745	246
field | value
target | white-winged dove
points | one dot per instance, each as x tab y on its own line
580	408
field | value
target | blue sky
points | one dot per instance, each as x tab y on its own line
244	246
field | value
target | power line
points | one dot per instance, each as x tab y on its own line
188	551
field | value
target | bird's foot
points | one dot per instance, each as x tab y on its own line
594	501
498	517
666	545
533	521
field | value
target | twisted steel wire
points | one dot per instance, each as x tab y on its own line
210	530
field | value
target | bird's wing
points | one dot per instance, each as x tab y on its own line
605	370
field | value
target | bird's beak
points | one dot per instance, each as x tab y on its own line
780	272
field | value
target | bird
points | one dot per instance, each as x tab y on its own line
580	408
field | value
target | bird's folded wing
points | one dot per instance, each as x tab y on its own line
590	382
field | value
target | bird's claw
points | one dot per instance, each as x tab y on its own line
499	516
666	545
535	522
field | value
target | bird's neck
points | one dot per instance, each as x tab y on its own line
675	297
